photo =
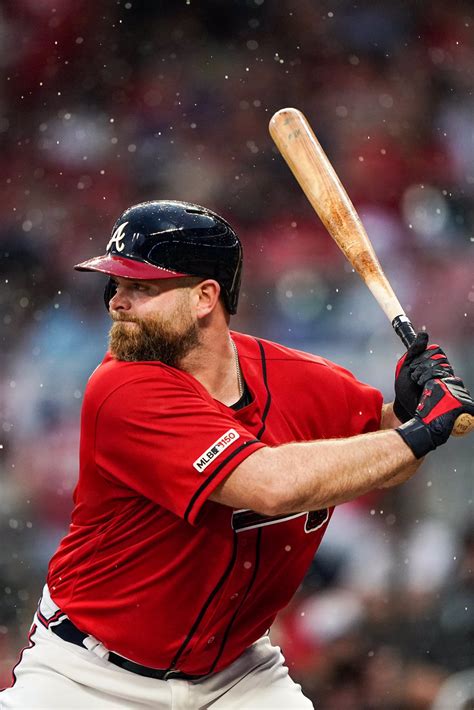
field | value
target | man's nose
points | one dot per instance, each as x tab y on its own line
119	301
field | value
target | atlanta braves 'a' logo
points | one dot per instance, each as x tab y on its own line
117	238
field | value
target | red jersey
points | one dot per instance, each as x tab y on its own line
151	567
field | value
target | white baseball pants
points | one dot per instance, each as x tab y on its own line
57	675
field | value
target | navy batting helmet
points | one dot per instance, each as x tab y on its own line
167	239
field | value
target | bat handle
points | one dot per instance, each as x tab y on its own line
404	329
406	332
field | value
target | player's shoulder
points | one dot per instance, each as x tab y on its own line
302	368
117	376
250	346
307	377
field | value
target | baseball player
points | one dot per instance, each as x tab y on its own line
210	464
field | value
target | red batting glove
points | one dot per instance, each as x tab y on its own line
442	401
421	362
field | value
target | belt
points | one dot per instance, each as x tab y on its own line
66	630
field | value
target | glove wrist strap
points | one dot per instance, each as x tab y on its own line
417	436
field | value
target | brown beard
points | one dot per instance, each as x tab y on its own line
153	339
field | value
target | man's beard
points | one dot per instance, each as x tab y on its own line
153	338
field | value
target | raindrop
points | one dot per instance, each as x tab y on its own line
385	100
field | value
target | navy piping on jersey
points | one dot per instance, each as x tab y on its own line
265	381
259	534
214	474
229	567
234	616
211	596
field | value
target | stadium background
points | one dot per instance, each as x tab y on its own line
108	103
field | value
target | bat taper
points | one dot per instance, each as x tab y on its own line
311	167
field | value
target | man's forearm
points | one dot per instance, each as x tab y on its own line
339	470
307	476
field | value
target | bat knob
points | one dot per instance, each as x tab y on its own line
463	425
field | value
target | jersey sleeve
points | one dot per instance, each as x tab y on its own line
364	403
166	441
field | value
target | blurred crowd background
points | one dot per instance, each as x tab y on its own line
104	104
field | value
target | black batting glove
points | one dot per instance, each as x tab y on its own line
420	363
442	401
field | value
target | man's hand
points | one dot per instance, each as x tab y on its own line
421	362
442	401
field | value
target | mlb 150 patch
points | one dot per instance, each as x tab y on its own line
203	461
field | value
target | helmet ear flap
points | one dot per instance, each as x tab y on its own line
109	292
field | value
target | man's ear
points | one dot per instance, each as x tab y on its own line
206	297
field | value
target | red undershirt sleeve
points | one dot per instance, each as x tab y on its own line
164	440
